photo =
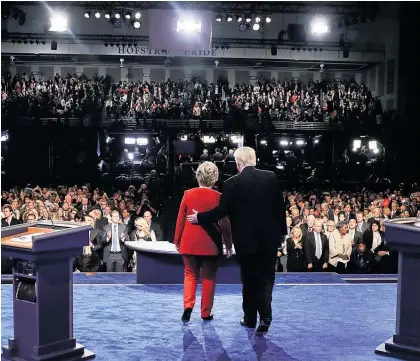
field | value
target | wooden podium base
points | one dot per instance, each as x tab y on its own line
391	349
78	353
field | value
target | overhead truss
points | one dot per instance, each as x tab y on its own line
339	8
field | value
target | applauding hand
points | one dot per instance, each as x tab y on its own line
228	252
192	218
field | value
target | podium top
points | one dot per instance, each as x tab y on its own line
42	236
24	239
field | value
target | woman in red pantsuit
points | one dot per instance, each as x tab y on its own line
201	247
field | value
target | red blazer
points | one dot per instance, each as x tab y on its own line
192	238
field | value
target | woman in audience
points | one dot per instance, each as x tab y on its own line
142	231
296	258
330	228
374	239
201	246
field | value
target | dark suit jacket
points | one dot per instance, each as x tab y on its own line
107	246
358	238
13	222
244	194
101	223
368	241
155	227
309	247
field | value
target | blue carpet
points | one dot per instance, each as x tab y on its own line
132	323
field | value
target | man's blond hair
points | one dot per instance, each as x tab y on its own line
245	156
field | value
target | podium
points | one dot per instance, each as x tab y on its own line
403	236
43	256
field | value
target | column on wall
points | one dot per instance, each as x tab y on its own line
146	74
231	77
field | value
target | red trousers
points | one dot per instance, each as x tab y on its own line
192	266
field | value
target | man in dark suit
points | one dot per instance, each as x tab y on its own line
115	254
355	235
90	260
8	219
316	249
154	226
361	225
256	240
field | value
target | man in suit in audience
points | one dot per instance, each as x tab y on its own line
115	254
256	240
361	225
355	235
154	226
8	219
316	249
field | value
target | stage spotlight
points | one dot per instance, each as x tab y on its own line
188	25
136	24
376	150
107	15
128	15
137	15
300	142
319	26
117	15
257	19
239	18
130	156
142	141
237	139
357	143
316	141
184	137
229	18
97	15
130	141
268	20
58	23
373	145
284	143
256	27
87	14
263	142
208	139
248	19
218	18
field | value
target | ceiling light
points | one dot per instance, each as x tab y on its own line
248	19
239	18
58	23
268	19
128	15
243	27
117	15
137	15
218	18
256	27
87	14
136	24
257	19
107	15
97	15
319	26
229	18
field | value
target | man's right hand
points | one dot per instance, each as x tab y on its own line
310	266
108	235
228	252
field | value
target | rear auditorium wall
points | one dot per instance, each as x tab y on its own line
160	74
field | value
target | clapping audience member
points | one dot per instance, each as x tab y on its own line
295	252
340	248
316	249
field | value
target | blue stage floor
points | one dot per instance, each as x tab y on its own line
316	318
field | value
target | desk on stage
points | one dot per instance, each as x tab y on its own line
42	256
160	263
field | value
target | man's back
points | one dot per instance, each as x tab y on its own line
255	207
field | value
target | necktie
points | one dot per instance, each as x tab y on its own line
115	239
318	251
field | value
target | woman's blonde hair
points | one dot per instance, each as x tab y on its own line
143	225
296	228
207	174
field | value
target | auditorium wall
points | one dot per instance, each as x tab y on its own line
161	73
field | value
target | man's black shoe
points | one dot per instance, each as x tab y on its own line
263	327
246	323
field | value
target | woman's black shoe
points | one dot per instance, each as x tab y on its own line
186	315
208	318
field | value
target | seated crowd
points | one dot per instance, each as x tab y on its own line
134	211
342	232
72	96
338	231
288	100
